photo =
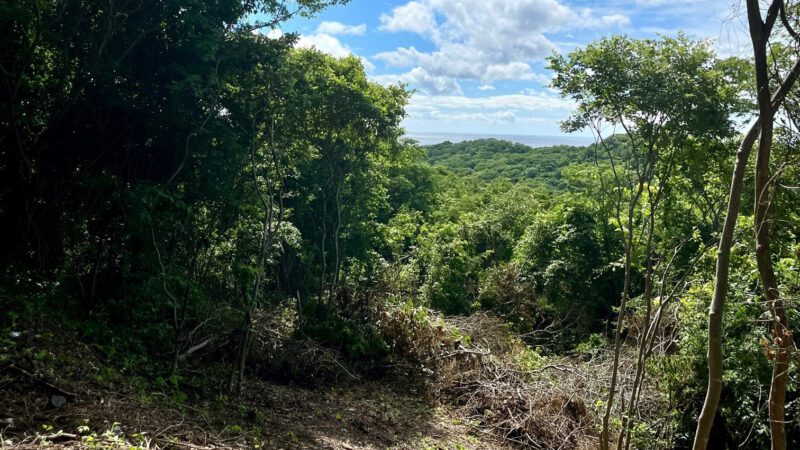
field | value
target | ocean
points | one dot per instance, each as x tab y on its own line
532	141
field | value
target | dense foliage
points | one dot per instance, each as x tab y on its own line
171	181
489	159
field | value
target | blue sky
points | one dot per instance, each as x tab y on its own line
478	66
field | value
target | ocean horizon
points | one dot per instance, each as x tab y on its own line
529	140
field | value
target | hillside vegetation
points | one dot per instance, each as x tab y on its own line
215	239
490	159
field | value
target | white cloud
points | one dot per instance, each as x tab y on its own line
615	20
500	112
484	40
401	57
368	66
486	87
324	43
414	17
534	102
332	46
512	71
492	117
335	28
589	19
323	39
273	33
420	79
662	2
462	61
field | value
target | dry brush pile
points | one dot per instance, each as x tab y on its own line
477	363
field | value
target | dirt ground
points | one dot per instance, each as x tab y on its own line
105	410
368	416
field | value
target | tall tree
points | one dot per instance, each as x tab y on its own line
661	95
761	28
760	31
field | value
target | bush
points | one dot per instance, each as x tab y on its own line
352	334
509	293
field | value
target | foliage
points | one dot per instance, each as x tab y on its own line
490	159
171	181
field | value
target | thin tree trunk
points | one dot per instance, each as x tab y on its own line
237	376
269	232
627	418
336	232
604	434
648	230
644	170
760	31
322	280
780	330
715	310
628	251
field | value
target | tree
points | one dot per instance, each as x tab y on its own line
132	130
768	103
662	94
760	31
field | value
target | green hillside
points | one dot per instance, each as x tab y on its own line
489	159
214	235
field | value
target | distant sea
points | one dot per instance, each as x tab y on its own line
532	141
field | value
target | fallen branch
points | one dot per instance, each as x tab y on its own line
58	436
560	367
464	352
196	348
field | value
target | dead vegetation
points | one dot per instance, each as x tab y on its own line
280	355
109	409
478	364
468	381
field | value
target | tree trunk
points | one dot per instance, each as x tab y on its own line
627	418
237	375
760	31
715	310
644	175
781	334
604	434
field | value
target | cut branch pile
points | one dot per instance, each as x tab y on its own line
277	354
533	414
471	362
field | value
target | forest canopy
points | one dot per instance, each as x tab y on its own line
205	209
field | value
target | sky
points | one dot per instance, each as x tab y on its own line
479	66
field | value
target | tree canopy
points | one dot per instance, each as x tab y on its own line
206	207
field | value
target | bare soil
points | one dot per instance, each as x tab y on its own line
106	410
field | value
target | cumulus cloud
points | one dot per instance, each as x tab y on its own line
324	39
324	43
520	109
588	19
615	20
420	79
533	102
329	44
463	61
511	71
484	40
338	28
414	17
272	33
